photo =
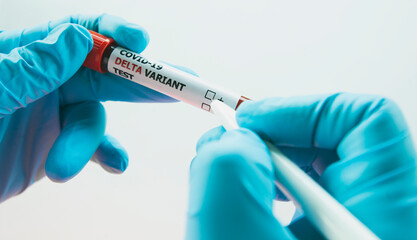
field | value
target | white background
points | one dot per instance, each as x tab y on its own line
258	48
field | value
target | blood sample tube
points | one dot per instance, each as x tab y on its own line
107	56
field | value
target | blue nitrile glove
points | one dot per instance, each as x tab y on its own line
51	119
358	146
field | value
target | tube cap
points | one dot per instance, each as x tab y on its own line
94	57
241	100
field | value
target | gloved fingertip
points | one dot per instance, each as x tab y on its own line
111	155
128	35
210	136
132	36
57	176
60	168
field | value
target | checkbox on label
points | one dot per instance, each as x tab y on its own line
206	107
210	95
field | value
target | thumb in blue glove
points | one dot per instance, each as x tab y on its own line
232	188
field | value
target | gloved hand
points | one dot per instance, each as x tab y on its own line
358	147
51	119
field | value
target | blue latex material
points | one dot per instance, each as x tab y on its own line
51	119
358	147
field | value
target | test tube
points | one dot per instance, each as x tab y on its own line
107	56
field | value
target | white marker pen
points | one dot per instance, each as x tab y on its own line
107	56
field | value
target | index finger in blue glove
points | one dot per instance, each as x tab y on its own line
36	69
83	127
82	136
126	34
347	123
316	121
318	125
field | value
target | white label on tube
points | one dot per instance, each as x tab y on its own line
168	80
